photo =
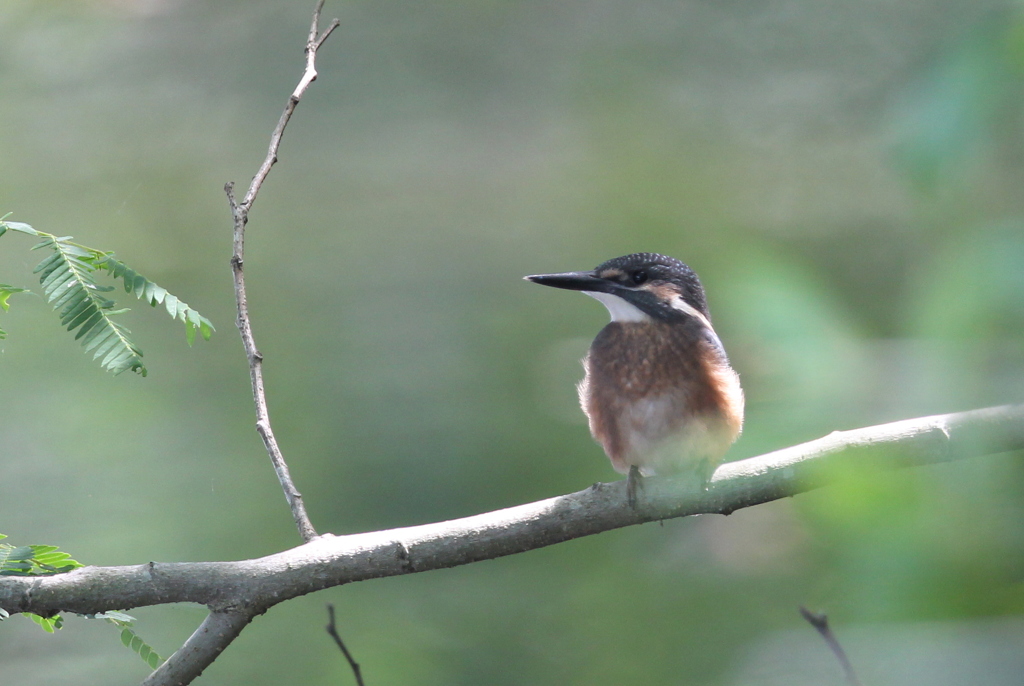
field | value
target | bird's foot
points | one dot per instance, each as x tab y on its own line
633	482
705	470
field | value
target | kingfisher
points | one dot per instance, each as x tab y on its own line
659	393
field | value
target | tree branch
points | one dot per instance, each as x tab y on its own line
334	560
240	215
215	634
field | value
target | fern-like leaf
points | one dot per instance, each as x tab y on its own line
15	561
68	284
133	641
34	560
129	638
146	290
67	280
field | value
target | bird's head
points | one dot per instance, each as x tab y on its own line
639	287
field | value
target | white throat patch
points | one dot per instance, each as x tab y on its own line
619	309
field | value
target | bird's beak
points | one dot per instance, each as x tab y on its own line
573	281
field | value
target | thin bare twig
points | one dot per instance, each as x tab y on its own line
820	622
332	629
240	214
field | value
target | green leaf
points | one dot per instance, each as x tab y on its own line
94	318
132	640
21	553
6	292
48	624
68	283
67	279
146	290
34	560
20	227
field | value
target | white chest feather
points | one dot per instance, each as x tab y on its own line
658	443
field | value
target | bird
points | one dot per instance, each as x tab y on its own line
659	393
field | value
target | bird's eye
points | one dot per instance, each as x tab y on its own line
639	276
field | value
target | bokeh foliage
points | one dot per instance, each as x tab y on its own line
844	176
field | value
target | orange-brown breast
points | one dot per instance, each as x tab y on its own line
648	383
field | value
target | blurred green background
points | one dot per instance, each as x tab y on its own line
844	176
